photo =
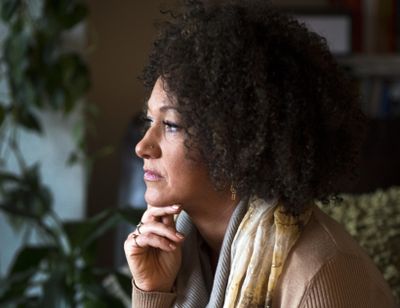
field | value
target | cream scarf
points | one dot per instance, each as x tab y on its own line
259	250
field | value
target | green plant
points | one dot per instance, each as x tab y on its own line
37	71
39	74
374	221
60	272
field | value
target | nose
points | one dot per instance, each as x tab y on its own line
148	146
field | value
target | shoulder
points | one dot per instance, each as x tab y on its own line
328	268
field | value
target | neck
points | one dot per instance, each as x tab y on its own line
212	221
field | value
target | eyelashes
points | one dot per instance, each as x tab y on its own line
146	121
169	126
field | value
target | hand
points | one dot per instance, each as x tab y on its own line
154	255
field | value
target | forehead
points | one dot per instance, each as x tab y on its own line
159	99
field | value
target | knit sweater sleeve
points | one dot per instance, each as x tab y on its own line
142	299
345	282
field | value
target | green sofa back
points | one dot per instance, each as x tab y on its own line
374	221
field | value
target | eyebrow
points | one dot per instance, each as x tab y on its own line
166	108
163	108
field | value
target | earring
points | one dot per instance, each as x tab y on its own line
233	192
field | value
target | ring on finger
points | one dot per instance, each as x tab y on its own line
134	236
138	227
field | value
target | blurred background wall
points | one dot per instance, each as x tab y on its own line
120	35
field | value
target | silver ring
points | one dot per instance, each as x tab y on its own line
134	238
138	227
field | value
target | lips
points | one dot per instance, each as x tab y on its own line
152	176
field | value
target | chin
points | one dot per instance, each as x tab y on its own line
154	198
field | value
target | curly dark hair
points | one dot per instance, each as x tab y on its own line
262	99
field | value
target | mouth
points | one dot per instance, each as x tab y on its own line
151	176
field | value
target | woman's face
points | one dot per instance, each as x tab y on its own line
170	176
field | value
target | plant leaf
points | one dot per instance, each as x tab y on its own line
13	287
55	291
83	234
131	215
30	198
28	120
8	8
29	257
8	177
124	282
2	113
65	14
56	229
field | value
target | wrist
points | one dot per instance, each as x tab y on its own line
162	288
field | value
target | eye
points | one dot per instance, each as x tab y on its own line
147	120
171	127
146	123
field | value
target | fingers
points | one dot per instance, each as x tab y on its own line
158	213
155	241
161	229
135	243
155	234
168	220
156	230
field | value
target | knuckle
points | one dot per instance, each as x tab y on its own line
149	236
145	237
171	229
162	241
156	240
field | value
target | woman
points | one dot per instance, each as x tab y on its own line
250	120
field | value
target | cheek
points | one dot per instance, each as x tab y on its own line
181	172
196	177
185	169
185	172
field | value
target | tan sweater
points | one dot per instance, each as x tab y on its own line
326	268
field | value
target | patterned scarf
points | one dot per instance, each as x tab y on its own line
259	250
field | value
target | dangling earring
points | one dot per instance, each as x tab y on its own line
233	192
